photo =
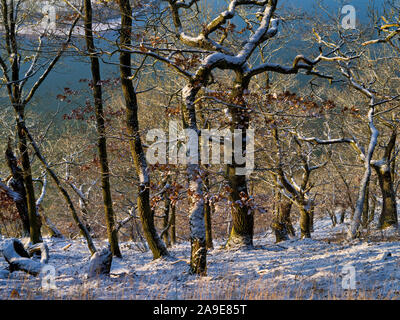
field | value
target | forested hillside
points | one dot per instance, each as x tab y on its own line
190	149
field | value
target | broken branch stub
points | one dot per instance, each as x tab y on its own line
100	263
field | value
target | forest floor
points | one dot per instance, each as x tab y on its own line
293	269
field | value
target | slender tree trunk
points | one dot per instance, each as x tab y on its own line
53	231
385	172
242	217
372	211
356	219
156	245
279	226
364	221
208	206
207	218
286	208
9	16
333	217
172	228
34	219
208	210
101	132
166	219
311	213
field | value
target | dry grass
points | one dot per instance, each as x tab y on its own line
200	289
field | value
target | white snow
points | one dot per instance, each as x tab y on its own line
310	268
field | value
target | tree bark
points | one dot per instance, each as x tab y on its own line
34	219
388	215
364	221
383	169
172	228
208	224
242	215
374	133
166	219
282	225
17	184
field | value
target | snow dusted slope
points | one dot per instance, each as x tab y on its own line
294	269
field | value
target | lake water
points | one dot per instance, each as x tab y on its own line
73	68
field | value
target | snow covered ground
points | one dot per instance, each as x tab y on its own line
294	269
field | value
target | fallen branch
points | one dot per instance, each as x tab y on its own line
19	259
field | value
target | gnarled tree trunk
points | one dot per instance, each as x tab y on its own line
282	225
306	220
172	228
383	169
388	215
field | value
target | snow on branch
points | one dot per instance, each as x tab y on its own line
202	41
389	37
11	193
43	192
19	259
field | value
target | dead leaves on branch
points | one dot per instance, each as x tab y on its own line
8	211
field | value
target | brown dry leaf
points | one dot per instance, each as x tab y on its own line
15	294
